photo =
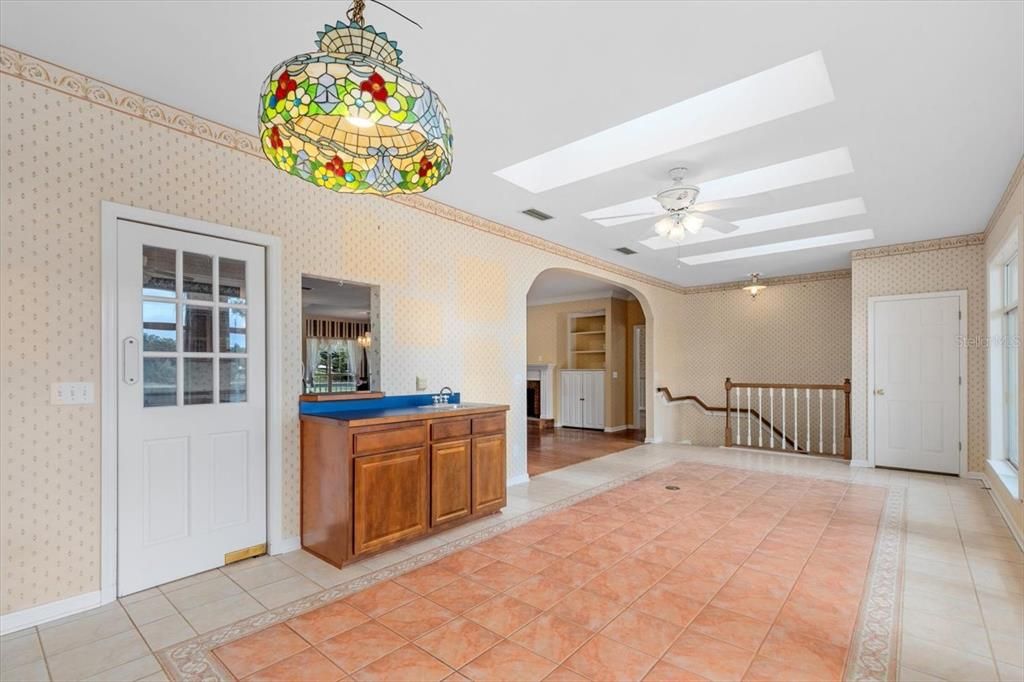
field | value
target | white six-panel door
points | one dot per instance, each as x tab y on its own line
916	392
191	458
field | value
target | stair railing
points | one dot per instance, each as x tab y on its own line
800	418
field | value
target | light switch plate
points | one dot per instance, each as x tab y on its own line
421	384
72	393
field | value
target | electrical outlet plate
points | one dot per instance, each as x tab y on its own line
72	393
421	384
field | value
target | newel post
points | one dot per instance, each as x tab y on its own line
847	443
728	423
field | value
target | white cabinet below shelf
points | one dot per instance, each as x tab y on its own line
582	398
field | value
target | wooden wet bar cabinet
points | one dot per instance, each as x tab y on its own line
375	479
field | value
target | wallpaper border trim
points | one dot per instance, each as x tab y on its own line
918	247
75	84
771	281
1018	173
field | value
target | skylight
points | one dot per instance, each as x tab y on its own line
765	223
800	171
777	92
781	247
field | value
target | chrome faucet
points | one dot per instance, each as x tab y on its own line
444	394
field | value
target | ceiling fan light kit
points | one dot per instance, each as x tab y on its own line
348	118
677	201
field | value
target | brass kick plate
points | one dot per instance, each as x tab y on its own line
239	554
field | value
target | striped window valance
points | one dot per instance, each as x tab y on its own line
330	328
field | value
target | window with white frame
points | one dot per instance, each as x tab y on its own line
1011	358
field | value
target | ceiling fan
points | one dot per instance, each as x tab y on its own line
680	218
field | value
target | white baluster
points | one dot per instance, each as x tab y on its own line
771	417
807	399
821	422
783	419
748	416
796	420
833	421
760	426
736	401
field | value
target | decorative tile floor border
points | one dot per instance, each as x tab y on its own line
873	652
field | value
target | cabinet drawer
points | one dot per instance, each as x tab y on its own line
489	423
450	428
388	439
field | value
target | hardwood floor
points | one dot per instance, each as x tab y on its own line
549	449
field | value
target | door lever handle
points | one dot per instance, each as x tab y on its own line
131	361
879	391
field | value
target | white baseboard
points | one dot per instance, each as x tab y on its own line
516	480
285	545
654	441
861	463
44	613
614	429
1003	511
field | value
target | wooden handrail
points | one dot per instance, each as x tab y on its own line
750	411
823	387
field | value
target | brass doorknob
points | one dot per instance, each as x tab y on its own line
879	391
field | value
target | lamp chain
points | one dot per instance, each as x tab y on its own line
355	12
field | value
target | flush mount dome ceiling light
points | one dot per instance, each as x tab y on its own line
349	119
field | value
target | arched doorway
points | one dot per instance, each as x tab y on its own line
587	387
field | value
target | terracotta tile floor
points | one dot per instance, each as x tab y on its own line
962	599
733	574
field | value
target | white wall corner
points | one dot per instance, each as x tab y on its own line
284	545
44	613
516	480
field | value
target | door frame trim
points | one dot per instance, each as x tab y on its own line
110	213
964	369
635	417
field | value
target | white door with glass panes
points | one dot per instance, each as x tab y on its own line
191	403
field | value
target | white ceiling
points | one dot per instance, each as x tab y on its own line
557	286
328	298
929	100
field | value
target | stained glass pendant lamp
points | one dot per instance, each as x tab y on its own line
349	119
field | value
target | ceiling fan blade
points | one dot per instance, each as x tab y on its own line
649	214
716	224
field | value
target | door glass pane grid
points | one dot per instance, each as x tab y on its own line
182	363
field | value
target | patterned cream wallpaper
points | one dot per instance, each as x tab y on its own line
920	267
452	298
791	333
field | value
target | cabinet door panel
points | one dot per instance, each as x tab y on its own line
593	403
450	481
570	403
390	498
488	473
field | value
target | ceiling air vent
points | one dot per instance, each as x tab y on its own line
625	250
538	215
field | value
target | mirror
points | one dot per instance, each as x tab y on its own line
340	353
